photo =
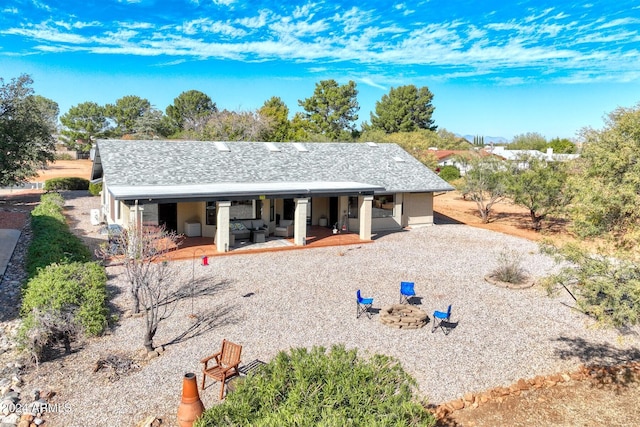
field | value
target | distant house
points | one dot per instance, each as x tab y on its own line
550	156
361	187
454	157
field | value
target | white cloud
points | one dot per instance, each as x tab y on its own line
354	19
369	82
546	42
287	29
475	33
535	17
204	26
619	23
43	33
255	21
136	25
303	11
224	2
402	7
609	38
12	10
171	63
63	24
41	5
54	49
509	81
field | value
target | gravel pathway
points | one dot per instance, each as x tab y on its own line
270	302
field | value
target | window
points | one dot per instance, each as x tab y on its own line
382	206
244	209
353	207
150	214
211	213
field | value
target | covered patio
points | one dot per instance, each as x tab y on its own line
317	236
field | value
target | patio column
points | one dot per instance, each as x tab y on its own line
364	213
222	229
265	214
135	215
300	222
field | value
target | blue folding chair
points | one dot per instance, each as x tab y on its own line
406	292
364	304
441	319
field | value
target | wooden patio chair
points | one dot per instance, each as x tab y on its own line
226	364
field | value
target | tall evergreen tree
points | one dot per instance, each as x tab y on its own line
333	109
404	109
191	110
126	111
276	112
82	123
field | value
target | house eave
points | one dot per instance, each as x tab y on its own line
238	191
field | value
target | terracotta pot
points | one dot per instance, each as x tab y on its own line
191	406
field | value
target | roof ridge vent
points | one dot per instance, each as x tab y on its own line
272	147
221	146
371	144
300	147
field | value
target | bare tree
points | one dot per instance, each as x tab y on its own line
142	250
236	126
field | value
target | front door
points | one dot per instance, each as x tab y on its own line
333	211
168	216
289	209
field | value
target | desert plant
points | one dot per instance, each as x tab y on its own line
316	388
60	301
484	183
46	327
69	183
604	286
509	269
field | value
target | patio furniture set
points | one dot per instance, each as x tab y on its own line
256	230
405	315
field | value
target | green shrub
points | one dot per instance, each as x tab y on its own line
316	388
64	156
72	183
449	173
52	241
95	189
60	299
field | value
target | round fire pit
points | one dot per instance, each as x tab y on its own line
403	316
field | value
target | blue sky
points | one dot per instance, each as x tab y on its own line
496	68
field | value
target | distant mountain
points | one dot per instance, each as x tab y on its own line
488	139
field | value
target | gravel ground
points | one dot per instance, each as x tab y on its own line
270	302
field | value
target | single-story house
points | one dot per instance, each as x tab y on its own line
548	156
206	187
453	158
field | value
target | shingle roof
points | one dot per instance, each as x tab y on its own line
197	163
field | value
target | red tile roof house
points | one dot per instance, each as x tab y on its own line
363	187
